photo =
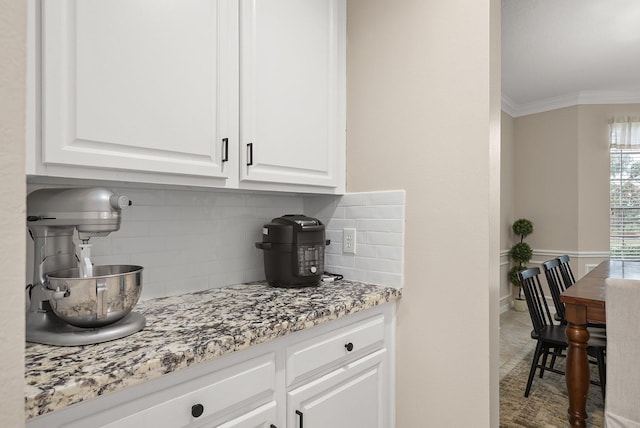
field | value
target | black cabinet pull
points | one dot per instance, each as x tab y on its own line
301	416
197	410
249	154
225	149
349	346
272	426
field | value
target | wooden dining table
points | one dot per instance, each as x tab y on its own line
585	302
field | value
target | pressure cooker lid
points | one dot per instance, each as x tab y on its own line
286	229
297	220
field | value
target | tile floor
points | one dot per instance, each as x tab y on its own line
515	339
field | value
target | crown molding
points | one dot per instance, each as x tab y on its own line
568	100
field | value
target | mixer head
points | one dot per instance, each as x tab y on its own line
93	211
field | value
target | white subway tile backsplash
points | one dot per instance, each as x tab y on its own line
389	252
386	198
380	225
323	207
340	260
390	279
352	199
335	236
137	245
379	221
190	240
361	212
341	223
385	238
352	274
155	259
378	265
365	250
149	213
231	199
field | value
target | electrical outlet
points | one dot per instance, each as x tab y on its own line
349	240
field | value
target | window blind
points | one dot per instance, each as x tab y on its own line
625	204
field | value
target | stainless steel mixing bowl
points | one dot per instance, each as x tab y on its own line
96	301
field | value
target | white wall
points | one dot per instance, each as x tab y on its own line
507	207
423	115
12	220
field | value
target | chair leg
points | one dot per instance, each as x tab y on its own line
602	371
556	353
544	361
534	364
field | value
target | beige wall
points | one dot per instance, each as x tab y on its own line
546	171
562	180
12	220
593	172
423	115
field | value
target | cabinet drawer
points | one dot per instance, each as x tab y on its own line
334	348
250	382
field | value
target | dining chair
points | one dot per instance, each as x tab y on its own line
565	271
550	337
559	278
556	286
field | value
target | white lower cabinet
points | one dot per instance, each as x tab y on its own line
262	417
352	396
336	375
244	392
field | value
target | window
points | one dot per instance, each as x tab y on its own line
625	190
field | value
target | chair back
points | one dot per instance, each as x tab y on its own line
556	285
565	270
536	302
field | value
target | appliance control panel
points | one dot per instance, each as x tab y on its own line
310	260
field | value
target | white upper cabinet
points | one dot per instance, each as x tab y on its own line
162	91
145	86
292	99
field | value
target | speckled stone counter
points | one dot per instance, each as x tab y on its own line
186	330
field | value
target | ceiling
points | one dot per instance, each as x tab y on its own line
557	53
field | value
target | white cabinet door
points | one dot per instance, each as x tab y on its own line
141	85
352	396
292	82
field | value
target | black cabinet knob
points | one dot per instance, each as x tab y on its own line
349	346
197	410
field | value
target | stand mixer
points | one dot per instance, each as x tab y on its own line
72	302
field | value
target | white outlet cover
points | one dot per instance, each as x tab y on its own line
349	240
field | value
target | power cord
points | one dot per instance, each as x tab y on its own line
331	277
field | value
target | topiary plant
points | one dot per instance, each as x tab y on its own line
521	252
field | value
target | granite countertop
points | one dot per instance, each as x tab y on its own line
183	331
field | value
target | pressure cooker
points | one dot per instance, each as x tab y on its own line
293	248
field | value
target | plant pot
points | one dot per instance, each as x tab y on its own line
519	305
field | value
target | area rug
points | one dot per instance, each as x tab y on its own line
547	403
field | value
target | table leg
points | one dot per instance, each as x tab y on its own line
577	373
